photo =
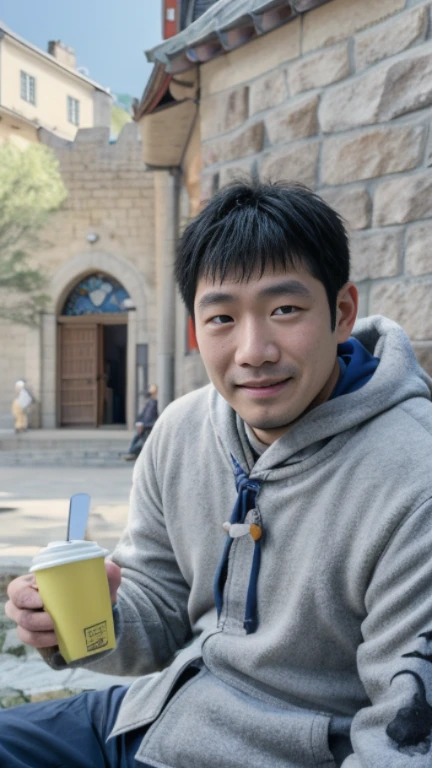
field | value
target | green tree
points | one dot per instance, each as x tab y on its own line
31	188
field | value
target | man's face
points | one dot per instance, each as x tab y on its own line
268	347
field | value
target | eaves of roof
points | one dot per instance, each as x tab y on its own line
154	92
5	31
226	25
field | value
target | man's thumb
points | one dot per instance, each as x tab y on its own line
114	579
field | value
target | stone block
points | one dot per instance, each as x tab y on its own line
418	249
295	162
129	135
371	153
319	69
408	303
375	254
209	185
404	199
389	90
265	53
352	203
429	152
12	644
230	173
268	92
340	19
423	352
248	142
390	38
97	135
295	120
9	697
223	112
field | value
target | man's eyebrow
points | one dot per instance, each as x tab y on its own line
284	288
214	297
290	287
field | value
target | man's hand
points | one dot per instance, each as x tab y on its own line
114	579
25	608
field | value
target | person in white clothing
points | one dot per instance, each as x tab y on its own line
20	406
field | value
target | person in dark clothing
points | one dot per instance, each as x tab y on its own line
143	424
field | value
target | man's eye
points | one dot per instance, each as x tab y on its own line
221	319
288	309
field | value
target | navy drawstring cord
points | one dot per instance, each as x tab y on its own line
247	491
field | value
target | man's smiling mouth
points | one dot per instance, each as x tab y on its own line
264	384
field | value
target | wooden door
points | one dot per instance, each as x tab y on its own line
101	381
78	375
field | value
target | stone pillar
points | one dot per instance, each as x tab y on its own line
33	372
131	407
48	371
166	233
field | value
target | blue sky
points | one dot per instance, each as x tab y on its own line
109	37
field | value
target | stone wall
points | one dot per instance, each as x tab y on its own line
341	99
110	194
12	367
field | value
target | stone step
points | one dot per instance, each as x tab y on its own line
62	457
23	443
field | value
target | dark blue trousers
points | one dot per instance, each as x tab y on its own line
68	733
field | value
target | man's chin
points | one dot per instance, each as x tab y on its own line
269	425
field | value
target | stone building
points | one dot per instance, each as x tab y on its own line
333	93
89	361
336	94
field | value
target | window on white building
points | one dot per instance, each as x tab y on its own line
28	88
73	110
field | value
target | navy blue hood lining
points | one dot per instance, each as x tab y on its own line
357	367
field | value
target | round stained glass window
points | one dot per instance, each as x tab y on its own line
95	295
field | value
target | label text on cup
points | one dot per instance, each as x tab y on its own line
96	636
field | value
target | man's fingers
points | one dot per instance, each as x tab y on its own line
37	639
24	594
35	627
24	607
31	621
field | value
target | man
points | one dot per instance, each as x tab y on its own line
144	425
292	495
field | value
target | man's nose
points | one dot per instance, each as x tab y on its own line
255	345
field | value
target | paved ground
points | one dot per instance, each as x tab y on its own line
38	500
34	505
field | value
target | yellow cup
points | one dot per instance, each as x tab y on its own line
73	585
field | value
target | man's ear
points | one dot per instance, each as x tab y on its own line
346	311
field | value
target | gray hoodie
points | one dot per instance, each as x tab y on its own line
344	592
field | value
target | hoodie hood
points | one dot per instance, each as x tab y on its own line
397	379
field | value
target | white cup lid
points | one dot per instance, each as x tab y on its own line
62	552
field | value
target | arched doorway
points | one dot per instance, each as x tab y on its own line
92	353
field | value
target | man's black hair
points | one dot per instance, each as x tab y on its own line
250	226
